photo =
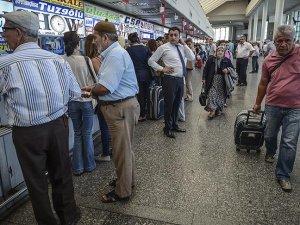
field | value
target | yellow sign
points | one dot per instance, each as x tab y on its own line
75	4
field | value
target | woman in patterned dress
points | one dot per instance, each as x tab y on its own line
214	81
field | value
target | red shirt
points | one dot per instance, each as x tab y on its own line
283	90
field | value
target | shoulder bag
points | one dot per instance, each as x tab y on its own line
93	74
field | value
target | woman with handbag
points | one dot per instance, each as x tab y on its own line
214	80
91	51
81	111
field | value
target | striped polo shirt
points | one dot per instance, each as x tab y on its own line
37	85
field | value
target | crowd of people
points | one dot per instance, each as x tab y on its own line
42	88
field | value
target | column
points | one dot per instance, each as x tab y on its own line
264	20
250	28
255	25
278	15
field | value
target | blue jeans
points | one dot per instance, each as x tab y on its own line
82	114
105	137
289	119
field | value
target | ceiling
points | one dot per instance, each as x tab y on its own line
209	5
228	13
220	12
147	10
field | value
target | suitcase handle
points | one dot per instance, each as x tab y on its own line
261	112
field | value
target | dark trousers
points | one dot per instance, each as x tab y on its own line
241	69
254	64
105	136
44	148
143	96
173	92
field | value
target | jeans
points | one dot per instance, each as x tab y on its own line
289	120
82	114
105	136
254	64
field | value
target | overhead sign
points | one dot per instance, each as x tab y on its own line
56	16
94	14
145	26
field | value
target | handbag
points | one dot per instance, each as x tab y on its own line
202	97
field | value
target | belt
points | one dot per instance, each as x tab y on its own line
174	77
101	102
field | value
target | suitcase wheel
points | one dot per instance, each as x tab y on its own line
248	150
238	149
258	150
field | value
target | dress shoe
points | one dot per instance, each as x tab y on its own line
285	185
180	130
169	133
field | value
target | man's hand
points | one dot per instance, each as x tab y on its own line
87	90
181	41
168	69
225	71
256	108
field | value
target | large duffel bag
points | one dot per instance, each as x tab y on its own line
249	130
156	103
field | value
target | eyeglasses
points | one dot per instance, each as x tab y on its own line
8	28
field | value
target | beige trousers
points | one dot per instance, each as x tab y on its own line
121	119
188	84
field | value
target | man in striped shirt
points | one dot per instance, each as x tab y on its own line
37	86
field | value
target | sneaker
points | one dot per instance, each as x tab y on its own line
285	185
269	158
103	158
211	115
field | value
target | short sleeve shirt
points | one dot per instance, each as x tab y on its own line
283	87
244	49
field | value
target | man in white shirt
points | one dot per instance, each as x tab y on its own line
244	51
173	54
255	58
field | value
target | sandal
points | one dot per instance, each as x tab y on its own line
112	197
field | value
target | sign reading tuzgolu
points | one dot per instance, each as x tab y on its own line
56	17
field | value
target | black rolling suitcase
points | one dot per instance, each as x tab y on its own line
156	103
249	130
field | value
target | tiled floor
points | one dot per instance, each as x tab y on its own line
199	178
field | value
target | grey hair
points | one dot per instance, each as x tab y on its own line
111	36
32	34
287	30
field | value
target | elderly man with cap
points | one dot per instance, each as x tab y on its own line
37	86
117	88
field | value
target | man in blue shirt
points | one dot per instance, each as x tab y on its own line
117	87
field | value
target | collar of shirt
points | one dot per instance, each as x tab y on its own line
28	45
106	51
